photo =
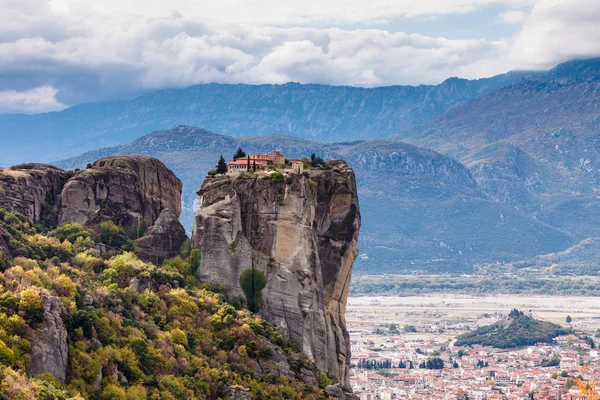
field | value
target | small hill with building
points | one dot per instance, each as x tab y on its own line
515	331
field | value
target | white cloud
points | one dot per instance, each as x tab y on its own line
256	55
37	100
557	31
513	16
91	51
257	12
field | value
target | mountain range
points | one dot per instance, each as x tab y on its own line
512	172
318	112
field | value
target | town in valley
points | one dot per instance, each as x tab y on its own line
404	348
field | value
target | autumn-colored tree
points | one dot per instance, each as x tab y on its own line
588	389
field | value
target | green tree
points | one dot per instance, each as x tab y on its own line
239	154
113	235
30	306
221	165
252	282
316	161
70	232
194	260
142	227
277	177
569	319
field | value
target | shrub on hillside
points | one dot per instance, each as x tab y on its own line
277	177
70	232
252	282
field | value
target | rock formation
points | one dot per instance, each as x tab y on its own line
302	233
31	190
162	240
49	349
131	191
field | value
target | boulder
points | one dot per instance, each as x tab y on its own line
131	191
238	393
141	285
163	240
88	301
277	363
309	377
303	235
335	392
49	349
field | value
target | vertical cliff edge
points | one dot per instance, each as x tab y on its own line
302	233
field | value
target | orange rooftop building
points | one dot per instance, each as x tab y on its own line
262	162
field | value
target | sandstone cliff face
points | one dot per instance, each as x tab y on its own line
163	240
303	235
128	190
49	349
31	189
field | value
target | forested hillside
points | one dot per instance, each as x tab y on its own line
81	313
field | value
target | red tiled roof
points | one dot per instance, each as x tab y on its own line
244	161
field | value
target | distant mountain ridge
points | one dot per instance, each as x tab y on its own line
318	112
534	144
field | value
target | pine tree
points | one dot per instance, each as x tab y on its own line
221	166
239	154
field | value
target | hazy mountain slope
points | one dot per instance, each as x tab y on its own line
420	210
318	112
553	117
533	144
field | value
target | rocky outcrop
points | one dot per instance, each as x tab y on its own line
335	392
302	233
49	350
32	190
5	238
131	191
163	240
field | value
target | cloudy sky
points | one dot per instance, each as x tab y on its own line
59	53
